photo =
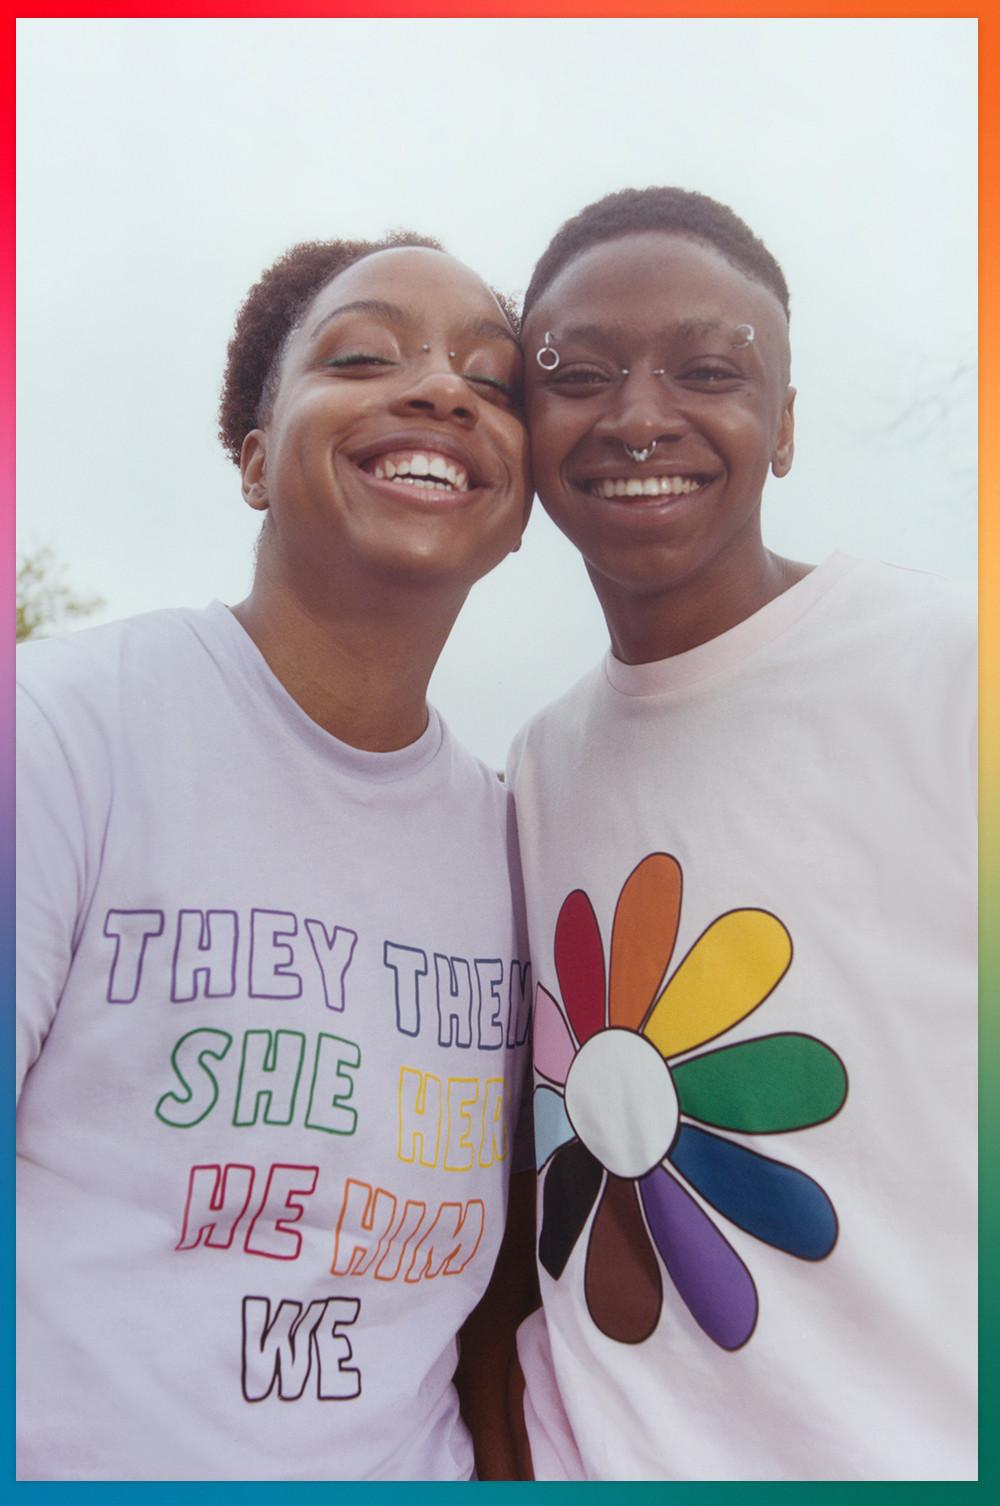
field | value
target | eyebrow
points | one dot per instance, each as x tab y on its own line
483	329
376	306
682	328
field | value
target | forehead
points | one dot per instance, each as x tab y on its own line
427	285
651	280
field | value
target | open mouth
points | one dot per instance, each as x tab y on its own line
644	486
426	469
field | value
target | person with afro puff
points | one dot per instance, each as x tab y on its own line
273	988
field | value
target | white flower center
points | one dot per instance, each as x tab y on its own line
621	1101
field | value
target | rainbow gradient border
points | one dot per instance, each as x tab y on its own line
756	1494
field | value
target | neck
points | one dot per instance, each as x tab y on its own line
659	624
357	662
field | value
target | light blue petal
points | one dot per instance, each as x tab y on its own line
552	1126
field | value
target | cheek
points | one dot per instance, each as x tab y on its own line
552	437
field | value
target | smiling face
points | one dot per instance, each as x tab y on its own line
656	475
394	445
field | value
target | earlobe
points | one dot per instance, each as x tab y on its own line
784	450
253	469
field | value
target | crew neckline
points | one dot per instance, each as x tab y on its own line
729	649
357	763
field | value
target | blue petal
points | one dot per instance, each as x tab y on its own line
552	1126
768	1199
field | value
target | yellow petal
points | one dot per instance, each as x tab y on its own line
731	968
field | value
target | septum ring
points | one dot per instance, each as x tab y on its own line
639	455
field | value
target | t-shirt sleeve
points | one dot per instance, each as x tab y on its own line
51	871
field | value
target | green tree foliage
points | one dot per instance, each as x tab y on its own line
45	602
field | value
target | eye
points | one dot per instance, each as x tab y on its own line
578	380
494	385
711	374
357	358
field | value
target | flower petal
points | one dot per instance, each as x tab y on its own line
711	1279
643	936
552	1126
572	1183
771	1201
776	1082
622	1282
729	971
554	1046
579	954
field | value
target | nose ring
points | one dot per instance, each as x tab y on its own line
639	455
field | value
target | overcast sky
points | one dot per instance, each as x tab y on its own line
164	164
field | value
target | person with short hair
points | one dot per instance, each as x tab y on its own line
272	979
748	840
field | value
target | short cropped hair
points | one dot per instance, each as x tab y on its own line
272	310
633	211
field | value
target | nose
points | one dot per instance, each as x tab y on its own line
437	392
643	411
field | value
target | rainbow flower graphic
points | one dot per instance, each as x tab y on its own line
623	1125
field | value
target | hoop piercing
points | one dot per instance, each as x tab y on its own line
547	349
639	455
747	334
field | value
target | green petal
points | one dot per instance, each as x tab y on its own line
777	1082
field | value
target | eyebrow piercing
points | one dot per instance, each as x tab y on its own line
546	355
743	335
639	455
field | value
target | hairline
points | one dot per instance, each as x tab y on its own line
677	234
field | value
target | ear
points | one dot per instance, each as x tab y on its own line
784	448
253	469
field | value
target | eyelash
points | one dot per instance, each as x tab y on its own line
712	374
589	377
359	358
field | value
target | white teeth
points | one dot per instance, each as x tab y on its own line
432	469
647	486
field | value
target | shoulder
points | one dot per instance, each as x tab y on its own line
96	668
470	778
564	721
911	606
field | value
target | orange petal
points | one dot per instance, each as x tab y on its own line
643	937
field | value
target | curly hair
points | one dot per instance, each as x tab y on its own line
677	210
270	313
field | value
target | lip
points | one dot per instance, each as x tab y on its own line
420	439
